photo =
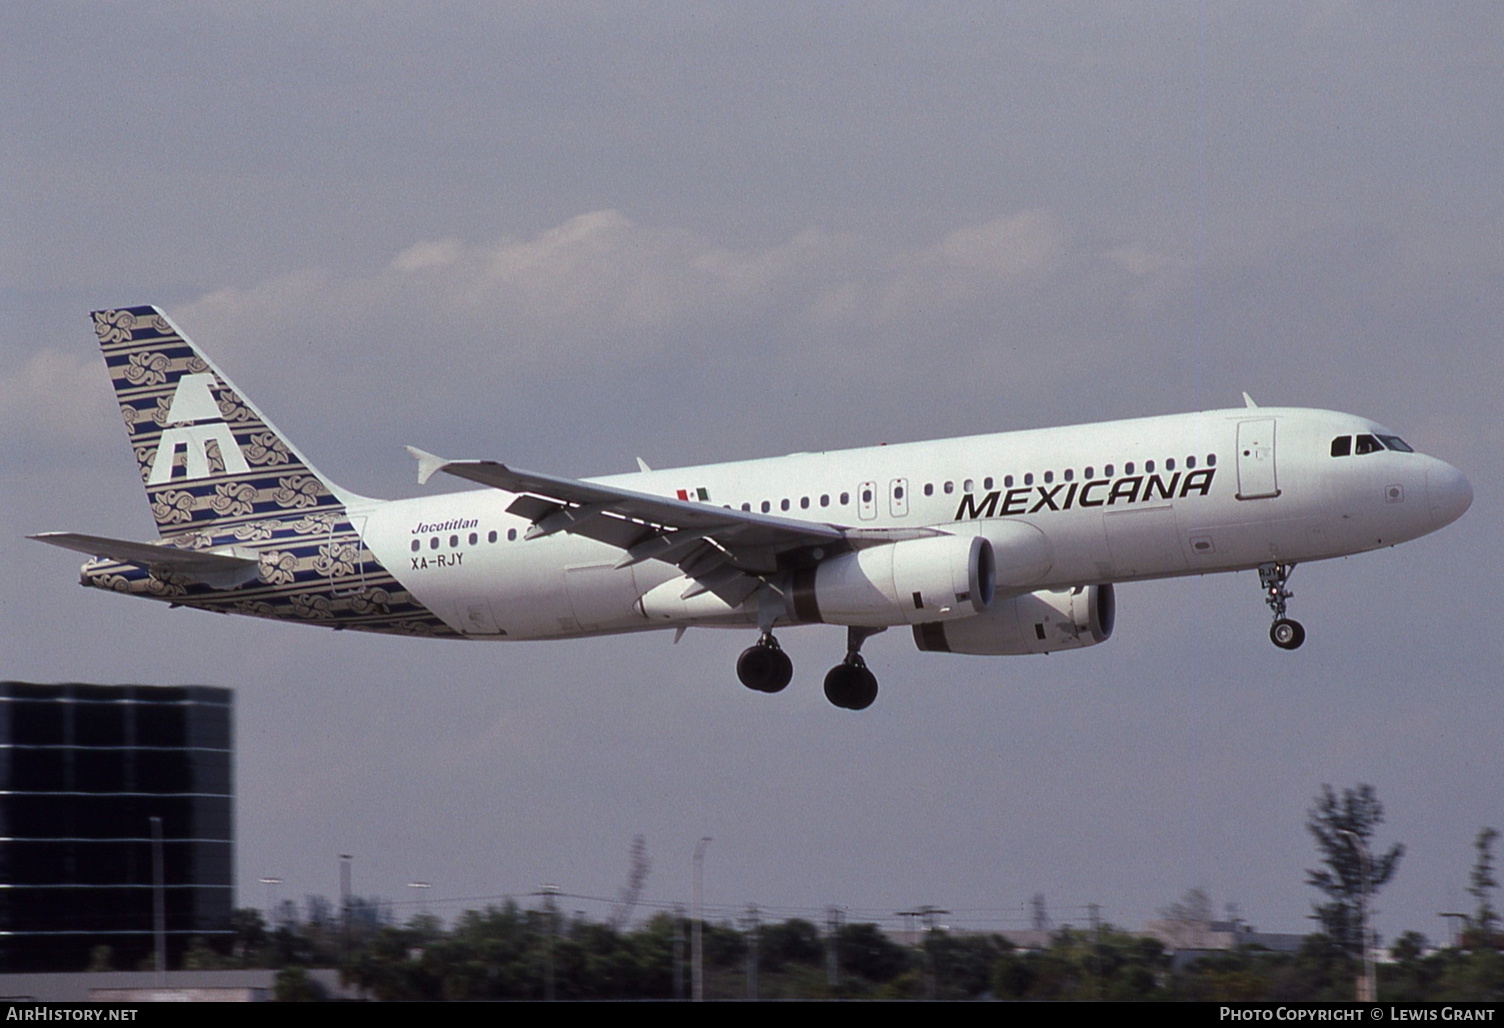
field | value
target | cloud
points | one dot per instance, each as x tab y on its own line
56	396
601	286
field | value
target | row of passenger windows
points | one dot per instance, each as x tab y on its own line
434	542
804	502
969	485
948	488
1343	445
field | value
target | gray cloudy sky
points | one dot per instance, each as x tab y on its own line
565	235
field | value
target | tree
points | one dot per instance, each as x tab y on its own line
1189	922
1339	825
1481	885
638	866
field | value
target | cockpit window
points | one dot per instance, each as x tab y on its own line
1368	444
1342	446
1394	442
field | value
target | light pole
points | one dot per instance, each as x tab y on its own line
1367	984
271	897
422	903
696	946
548	892
344	907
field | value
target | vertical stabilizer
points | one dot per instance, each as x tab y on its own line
207	456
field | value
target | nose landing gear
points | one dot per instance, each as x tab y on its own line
1285	633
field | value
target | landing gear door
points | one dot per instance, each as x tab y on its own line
1256	474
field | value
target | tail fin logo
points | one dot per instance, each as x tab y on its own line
192	402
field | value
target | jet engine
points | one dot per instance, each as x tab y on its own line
916	580
1039	622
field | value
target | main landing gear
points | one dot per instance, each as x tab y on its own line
849	684
764	667
1284	633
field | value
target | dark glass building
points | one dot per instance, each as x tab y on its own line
83	771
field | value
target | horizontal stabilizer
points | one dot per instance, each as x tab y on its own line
218	570
429	464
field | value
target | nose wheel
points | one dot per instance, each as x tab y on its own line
1285	633
764	666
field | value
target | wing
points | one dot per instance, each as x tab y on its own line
729	552
220	570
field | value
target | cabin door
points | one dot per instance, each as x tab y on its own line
1256	474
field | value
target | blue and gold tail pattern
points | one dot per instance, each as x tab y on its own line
218	475
205	455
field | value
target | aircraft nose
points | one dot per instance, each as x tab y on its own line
1450	492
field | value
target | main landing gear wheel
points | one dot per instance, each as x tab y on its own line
850	686
1284	633
764	666
1287	634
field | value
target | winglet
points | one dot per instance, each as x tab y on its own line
1248	401
642	465
428	464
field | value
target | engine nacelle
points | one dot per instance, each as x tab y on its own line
902	583
1041	622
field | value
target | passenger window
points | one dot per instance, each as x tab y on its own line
898	492
454	541
845	499
1107	471
766	506
1211	461
1169	463
511	535
1070	474
474	538
1342	446
825	499
866	495
491	536
1128	468
967	486
1007	481
987	483
747	507
804	503
1368	444
929	488
1149	467
433	544
1049	476
1028	478
1091	473
1190	462
784	504
416	546
950	487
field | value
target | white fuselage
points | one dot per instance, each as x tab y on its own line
1117	501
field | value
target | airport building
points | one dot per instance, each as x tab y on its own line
115	805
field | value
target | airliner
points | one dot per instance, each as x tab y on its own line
998	544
